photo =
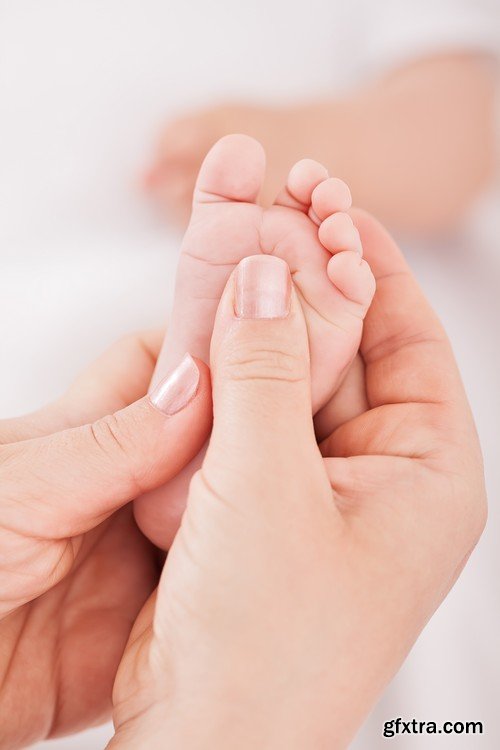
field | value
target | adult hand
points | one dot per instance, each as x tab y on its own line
74	569
299	580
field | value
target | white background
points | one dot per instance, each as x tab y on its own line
84	87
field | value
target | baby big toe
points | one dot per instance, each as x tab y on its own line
233	170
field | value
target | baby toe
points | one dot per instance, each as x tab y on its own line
304	176
353	277
330	196
337	232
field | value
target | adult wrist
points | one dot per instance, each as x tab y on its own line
232	720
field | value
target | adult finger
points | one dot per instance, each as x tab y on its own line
263	426
66	483
407	354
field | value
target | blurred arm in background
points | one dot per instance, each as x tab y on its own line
416	146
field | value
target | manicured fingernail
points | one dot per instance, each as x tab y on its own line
263	288
175	391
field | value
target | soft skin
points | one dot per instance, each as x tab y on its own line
300	578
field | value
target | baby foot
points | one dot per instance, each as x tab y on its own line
309	228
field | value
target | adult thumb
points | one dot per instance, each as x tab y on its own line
71	480
260	372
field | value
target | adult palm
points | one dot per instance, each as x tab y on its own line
404	460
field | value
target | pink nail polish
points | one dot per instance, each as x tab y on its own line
175	391
263	288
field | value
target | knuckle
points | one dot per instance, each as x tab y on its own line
109	435
244	362
115	441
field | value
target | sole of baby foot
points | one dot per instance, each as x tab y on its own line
309	228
